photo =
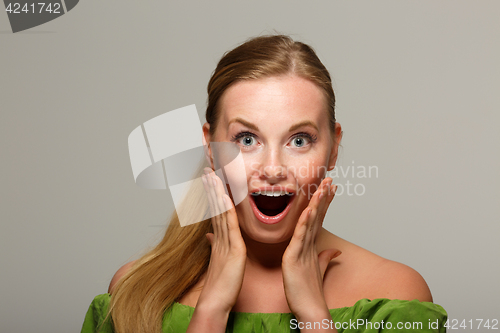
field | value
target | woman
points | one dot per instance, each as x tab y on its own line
266	265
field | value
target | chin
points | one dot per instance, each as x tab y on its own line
268	237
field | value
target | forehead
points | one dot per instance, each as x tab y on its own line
275	102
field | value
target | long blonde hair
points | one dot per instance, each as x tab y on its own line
176	264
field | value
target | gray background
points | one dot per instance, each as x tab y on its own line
417	86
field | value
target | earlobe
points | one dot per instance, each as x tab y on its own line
335	146
331	166
206	146
333	157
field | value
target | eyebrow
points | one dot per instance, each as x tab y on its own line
255	128
244	122
303	123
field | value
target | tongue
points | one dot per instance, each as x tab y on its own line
271	205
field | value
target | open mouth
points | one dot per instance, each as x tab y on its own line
271	206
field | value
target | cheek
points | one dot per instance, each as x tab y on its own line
312	171
308	177
234	169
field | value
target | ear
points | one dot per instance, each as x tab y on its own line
335	146
206	144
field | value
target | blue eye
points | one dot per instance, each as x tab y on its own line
247	140
299	141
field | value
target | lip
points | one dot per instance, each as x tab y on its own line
270	219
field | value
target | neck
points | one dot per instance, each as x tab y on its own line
263	255
269	256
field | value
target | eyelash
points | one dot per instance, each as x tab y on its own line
312	138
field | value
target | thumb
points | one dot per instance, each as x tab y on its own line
324	259
210	237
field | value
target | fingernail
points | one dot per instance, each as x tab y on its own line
214	181
337	254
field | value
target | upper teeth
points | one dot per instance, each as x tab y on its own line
272	193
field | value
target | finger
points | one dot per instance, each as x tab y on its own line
220	206
324	201
317	204
317	198
229	208
320	219
211	197
305	226
213	220
309	236
324	259
213	192
331	189
299	234
233	226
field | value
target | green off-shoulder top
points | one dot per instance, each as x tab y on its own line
377	315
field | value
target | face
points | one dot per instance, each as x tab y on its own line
281	126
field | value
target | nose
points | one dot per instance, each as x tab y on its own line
273	169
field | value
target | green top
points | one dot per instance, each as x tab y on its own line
378	315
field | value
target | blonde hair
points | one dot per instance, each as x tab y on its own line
176	264
267	56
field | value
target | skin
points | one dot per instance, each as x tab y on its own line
288	266
282	254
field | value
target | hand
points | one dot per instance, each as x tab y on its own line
224	276
303	269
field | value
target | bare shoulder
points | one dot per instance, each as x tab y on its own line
119	274
398	281
358	273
